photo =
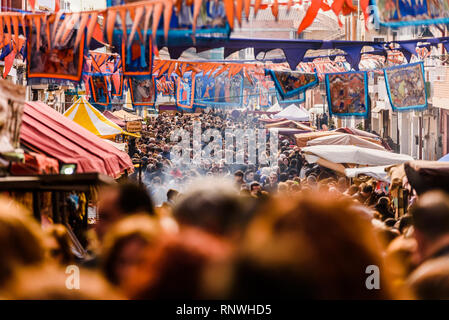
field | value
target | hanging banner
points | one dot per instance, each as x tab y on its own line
99	90
219	90
297	99
143	90
137	57
401	13
185	92
56	58
12	99
347	94
406	87
290	83
166	85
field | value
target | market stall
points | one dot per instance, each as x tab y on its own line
345	139
292	112
46	131
353	155
84	114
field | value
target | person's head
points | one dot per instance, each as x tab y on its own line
249	176
390	222
353	189
255	188
238	176
431	221
119	201
57	243
212	204
342	184
285	254
181	264
128	252
367	190
21	240
311	181
283	177
430	281
172	195
51	282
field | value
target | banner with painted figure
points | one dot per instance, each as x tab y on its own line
185	92
401	13
48	58
166	85
291	83
265	86
143	91
137	57
406	87
99	90
219	91
347	94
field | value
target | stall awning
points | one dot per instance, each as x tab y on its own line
115	119
49	132
354	155
84	114
345	139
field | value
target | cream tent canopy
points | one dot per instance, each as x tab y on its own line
292	112
84	114
122	114
274	108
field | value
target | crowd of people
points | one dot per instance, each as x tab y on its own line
228	231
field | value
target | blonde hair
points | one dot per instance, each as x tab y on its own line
21	239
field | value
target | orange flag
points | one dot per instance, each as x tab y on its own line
310	15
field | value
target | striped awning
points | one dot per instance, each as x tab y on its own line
84	114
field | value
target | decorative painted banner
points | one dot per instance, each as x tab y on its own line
401	13
185	92
56	59
290	84
347	94
143	90
137	56
406	87
219	90
99	90
297	99
166	85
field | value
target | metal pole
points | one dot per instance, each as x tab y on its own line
397	133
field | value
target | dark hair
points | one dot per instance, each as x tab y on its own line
238	173
405	222
283	177
254	184
134	198
368	189
390	222
431	214
172	193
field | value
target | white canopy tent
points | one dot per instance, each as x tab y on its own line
345	139
375	172
274	108
292	112
354	155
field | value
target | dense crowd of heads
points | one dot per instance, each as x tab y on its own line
291	231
